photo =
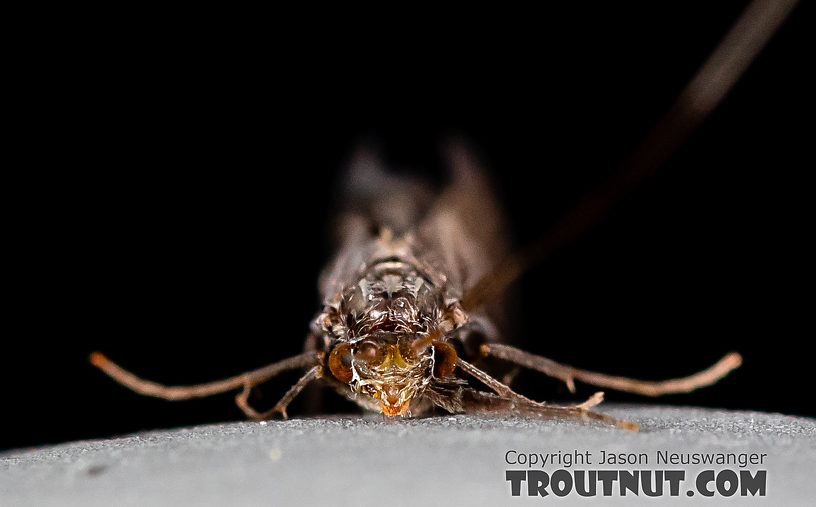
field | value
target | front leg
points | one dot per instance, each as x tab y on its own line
242	398
511	401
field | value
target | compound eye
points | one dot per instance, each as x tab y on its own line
444	359
340	363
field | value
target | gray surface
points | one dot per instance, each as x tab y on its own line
458	460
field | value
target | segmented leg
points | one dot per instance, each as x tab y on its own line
501	389
478	401
509	400
648	388
510	376
242	398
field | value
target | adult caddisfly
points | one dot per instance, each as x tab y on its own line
407	315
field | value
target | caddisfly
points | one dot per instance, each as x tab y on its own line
406	314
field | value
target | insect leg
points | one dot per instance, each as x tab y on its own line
648	388
508	399
510	376
501	389
241	399
477	401
250	378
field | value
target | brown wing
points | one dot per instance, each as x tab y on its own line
465	226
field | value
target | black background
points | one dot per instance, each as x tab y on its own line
179	189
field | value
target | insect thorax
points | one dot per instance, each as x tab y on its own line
391	296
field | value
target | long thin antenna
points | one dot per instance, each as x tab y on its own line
755	26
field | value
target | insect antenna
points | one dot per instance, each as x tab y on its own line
714	79
173	393
570	374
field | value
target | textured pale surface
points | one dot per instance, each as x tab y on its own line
372	461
